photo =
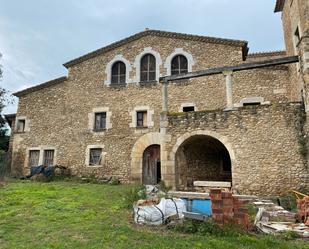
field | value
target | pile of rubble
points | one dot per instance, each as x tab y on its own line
272	219
226	208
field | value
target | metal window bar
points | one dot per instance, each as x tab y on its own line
48	159
34	156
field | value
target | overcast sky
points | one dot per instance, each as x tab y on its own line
38	36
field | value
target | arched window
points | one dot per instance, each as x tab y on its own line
148	68
118	73
179	65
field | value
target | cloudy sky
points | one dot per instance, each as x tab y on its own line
38	36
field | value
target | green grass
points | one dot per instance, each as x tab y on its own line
78	215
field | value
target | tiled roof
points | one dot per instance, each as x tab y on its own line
160	33
279	5
265	54
41	86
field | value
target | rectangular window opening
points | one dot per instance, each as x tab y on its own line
100	121
252	104
188	109
141	119
21	123
95	157
48	159
34	156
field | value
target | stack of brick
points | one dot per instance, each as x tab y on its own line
227	209
303	209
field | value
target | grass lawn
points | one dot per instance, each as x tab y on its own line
78	215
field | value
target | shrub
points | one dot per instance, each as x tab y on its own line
133	195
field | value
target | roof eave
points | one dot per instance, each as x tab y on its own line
239	43
40	86
279	5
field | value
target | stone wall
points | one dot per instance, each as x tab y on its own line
263	143
59	115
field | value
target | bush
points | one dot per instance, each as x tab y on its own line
133	195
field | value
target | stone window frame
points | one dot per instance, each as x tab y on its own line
108	70
137	63
133	114
178	51
41	157
26	127
87	156
91	119
187	105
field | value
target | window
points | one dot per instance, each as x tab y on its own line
100	121
118	73
141	119
95	156
34	156
252	104
148	68
179	65
21	123
188	109
48	159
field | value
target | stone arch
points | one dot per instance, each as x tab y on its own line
137	63
108	69
211	134
178	51
138	149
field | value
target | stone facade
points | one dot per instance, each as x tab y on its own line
261	141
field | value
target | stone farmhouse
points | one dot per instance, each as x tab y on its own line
176	107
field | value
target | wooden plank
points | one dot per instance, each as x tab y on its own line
189	195
212	184
240	67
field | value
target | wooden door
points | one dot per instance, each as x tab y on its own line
151	165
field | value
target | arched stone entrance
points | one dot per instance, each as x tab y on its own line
202	156
152	138
152	165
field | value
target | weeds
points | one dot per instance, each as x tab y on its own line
133	195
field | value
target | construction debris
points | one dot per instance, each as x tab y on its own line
159	214
303	207
273	219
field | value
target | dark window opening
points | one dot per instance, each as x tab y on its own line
48	159
179	65
118	73
21	123
188	109
252	104
148	68
95	156
141	119
34	156
100	121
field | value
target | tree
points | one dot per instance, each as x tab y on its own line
4	139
